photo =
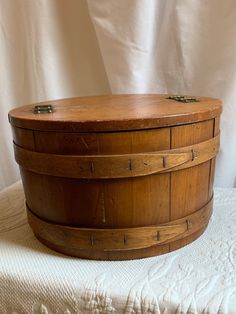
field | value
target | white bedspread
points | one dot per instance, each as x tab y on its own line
200	278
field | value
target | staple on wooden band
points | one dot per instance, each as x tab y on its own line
193	155
92	167
188	222
164	162
92	240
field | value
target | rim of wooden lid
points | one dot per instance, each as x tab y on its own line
114	113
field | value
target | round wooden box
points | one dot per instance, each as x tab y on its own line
118	177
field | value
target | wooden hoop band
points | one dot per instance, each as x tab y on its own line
116	166
119	239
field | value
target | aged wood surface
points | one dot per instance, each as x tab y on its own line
115	112
120	239
115	130
216	130
193	181
116	166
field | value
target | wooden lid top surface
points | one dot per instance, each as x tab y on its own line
114	112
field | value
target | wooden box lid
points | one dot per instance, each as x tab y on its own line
115	112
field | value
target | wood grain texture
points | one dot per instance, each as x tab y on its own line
114	203
216	130
119	239
106	127
116	166
115	112
189	187
118	255
24	137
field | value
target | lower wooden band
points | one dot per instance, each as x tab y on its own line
75	238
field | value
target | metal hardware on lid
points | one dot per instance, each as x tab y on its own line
43	109
182	98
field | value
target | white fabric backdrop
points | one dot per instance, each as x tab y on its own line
55	48
172	46
48	50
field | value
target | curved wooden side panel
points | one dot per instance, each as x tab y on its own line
65	238
120	203
190	187
127	202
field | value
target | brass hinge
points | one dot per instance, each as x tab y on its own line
182	98
43	109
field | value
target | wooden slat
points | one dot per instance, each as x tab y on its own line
133	201
24	138
189	186
116	166
216	130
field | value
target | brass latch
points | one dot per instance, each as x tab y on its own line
182	98
43	109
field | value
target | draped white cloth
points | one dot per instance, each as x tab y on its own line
197	279
56	48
